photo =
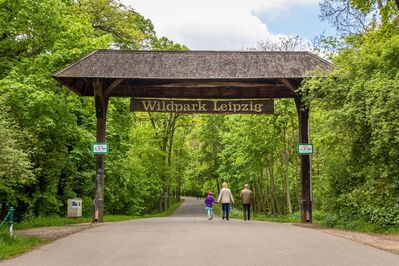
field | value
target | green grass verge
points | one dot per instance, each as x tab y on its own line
319	217
169	211
360	226
61	221
238	214
13	246
47	221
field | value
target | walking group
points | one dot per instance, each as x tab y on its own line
226	198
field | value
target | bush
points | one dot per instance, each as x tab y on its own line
331	220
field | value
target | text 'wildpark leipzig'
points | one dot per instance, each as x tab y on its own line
203	106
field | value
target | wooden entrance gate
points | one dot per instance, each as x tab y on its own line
197	75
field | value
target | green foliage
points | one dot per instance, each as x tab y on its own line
46	130
358	103
136	174
205	144
129	29
15	167
261	151
331	220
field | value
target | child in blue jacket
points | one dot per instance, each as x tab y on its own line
209	204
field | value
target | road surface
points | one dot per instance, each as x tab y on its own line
188	238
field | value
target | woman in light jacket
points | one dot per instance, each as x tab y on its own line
226	198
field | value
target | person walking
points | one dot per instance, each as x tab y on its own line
226	198
209	204
245	196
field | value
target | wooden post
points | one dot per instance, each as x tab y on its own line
306	202
101	104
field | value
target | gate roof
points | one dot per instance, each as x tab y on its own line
192	74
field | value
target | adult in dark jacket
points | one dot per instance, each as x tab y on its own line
246	201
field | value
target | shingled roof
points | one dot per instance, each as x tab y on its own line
194	65
137	67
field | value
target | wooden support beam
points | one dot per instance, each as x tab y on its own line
101	104
202	85
306	202
111	87
215	84
289	85
303	120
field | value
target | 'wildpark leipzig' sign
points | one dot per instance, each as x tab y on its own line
203	106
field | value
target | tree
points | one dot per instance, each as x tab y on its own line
36	40
358	104
288	43
15	167
129	29
355	16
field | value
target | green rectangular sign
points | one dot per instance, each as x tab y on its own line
99	148
305	149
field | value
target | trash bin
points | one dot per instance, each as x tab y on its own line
74	207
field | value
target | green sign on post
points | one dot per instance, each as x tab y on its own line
99	148
305	149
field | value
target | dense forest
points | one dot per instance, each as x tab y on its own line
46	130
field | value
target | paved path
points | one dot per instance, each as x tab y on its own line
188	238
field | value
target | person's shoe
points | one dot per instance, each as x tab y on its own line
223	218
211	218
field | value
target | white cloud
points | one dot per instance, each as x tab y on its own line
260	6
212	24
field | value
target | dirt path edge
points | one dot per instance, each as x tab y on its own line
387	242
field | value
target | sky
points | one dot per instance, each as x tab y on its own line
231	24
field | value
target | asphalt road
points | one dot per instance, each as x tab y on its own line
188	238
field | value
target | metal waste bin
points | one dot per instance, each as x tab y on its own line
74	207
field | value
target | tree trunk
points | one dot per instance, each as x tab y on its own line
275	203
287	182
379	4
296	179
3	210
161	202
263	199
397	5
217	183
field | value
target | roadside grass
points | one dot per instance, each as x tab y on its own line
12	246
16	245
323	219
236	213
47	221
361	226
165	213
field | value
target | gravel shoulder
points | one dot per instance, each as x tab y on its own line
55	232
387	242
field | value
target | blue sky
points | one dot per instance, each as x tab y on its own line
231	24
300	20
